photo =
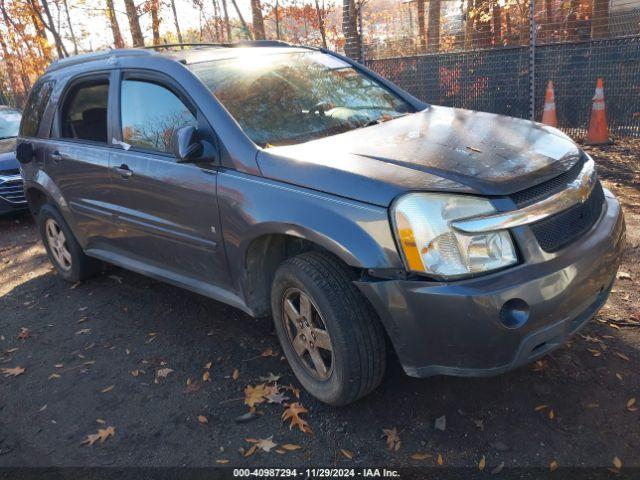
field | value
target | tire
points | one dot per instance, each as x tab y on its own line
357	358
72	265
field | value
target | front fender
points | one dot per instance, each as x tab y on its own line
250	207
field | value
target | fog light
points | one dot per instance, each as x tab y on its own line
514	313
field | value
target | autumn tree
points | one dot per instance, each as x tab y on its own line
175	20
113	23
134	23
353	43
258	21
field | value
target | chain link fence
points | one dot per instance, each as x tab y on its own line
498	55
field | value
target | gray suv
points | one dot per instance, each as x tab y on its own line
292	182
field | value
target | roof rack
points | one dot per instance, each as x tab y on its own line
239	44
93	56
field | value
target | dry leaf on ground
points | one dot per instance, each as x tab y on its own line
13	372
101	436
255	395
293	412
420	456
392	439
162	373
202	419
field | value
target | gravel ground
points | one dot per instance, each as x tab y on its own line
95	356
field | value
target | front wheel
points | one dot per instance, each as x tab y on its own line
330	334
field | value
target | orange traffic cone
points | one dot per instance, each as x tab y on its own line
598	133
549	115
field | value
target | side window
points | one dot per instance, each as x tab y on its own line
150	114
36	104
84	112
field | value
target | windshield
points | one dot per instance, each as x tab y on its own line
9	123
288	98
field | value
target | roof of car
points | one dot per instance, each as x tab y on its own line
185	53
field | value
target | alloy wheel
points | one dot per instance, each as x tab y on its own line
307	333
58	244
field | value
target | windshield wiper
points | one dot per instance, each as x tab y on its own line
380	120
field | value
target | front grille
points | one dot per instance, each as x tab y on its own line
561	229
546	189
12	171
12	191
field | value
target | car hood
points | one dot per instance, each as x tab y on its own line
8	154
437	149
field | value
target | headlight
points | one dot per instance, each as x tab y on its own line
429	244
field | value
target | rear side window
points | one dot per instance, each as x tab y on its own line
36	104
150	114
84	112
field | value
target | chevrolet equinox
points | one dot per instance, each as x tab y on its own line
295	183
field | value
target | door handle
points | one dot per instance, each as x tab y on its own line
55	156
124	171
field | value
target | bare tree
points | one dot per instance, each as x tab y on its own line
175	20
154	8
71	32
258	21
49	25
321	13
115	28
244	24
134	23
226	20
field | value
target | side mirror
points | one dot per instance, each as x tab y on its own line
25	152
185	144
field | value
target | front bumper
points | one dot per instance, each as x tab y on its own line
455	328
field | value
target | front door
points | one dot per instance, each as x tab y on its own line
167	211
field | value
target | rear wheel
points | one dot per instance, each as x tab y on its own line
64	251
330	335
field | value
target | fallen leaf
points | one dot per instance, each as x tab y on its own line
482	463
13	372
540	407
101	421
551	415
102	435
202	419
631	404
271	378
269	353
293	412
264	444
222	460
23	334
420	456
392	439
206	377
274	395
107	389
207	366
623	275
622	356
553	465
474	149
53	376
498	469
346	453
292	447
440	460
162	373
479	424
235	374
84	331
135	373
294	390
255	395
617	463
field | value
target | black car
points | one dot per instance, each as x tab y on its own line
11	190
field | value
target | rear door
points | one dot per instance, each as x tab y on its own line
77	157
167	211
